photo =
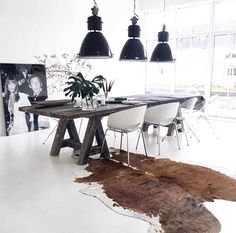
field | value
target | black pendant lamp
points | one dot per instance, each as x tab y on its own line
95	44
162	52
133	49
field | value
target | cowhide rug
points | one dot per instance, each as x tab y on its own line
173	191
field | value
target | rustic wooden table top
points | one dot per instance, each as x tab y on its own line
69	112
157	99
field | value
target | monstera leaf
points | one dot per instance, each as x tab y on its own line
78	86
99	80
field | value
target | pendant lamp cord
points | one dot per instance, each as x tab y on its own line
95	12
95	8
164	6
135	10
95	3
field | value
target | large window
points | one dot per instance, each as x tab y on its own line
191	71
224	75
192	20
203	41
225	17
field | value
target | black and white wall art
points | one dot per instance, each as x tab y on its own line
22	84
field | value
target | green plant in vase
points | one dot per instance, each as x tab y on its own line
103	84
78	86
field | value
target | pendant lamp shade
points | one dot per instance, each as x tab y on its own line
162	52
95	44
133	49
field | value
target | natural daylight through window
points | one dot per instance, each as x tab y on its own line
203	42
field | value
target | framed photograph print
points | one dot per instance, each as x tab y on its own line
22	84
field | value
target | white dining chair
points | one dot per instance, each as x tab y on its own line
125	122
202	110
186	111
162	115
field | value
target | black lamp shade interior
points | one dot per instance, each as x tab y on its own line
133	50
95	45
162	53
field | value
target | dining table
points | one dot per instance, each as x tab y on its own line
67	113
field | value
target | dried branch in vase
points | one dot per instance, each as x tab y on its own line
59	68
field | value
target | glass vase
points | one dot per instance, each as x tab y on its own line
89	103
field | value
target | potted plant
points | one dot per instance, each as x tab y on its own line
103	84
78	86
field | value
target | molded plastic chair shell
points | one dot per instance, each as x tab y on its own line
188	106
201	112
162	115
127	121
186	111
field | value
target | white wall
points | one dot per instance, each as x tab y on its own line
34	27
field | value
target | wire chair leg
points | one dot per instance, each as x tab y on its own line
138	139
54	129
211	126
128	148
185	134
121	139
177	134
192	131
159	140
164	138
144	143
104	141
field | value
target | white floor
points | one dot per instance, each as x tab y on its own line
38	193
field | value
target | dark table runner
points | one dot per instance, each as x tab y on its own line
157	99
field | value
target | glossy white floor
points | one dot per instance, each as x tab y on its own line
38	193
